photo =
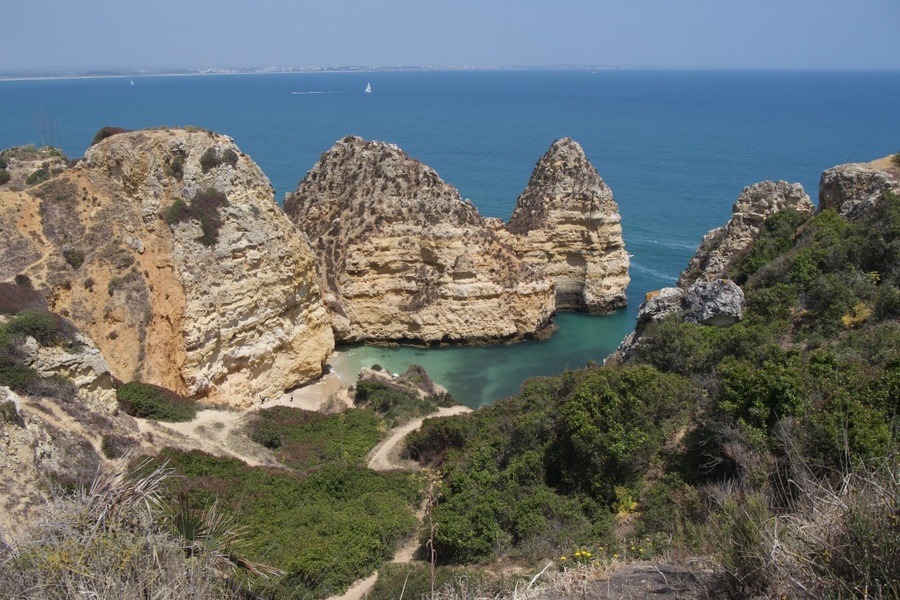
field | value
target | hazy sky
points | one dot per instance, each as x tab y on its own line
91	34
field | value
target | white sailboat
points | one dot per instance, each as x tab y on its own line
368	88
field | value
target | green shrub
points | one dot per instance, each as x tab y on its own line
4	176
39	176
205	207
896	159
46	327
23	280
3	163
211	159
229	157
116	446
176	167
9	414
177	212
153	402
105	132
75	258
265	434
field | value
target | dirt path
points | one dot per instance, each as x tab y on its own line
221	432
386	455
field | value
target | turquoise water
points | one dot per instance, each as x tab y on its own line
676	147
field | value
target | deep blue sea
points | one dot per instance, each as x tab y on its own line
676	147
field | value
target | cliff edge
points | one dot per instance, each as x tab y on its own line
167	248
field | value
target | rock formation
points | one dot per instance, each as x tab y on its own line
403	258
567	224
722	245
167	248
704	294
853	187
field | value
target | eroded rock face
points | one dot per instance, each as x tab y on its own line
403	258
82	364
722	245
167	248
854	187
720	303
567	224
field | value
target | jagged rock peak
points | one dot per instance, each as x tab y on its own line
402	258
168	249
754	205
852	188
567	224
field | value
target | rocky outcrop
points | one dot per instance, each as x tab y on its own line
567	224
854	187
718	303
81	363
403	258
722	245
167	248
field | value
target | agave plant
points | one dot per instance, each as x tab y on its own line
213	533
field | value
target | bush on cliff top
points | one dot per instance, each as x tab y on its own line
205	207
211	158
106	132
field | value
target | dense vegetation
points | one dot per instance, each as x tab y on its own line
154	402
305	440
324	529
709	433
395	403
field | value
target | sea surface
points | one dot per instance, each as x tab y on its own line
676	147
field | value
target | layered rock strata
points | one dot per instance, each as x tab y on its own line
167	248
854	187
402	258
754	205
567	224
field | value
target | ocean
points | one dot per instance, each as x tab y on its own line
676	147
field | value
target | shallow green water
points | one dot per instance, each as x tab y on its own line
484	374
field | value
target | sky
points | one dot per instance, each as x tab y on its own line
694	34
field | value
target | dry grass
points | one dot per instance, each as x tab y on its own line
837	538
107	542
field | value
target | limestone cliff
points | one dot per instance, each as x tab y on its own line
722	245
403	258
853	187
567	225
167	248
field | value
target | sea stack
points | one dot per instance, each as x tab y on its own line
168	249
567	225
402	258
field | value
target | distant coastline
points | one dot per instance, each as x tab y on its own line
111	74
